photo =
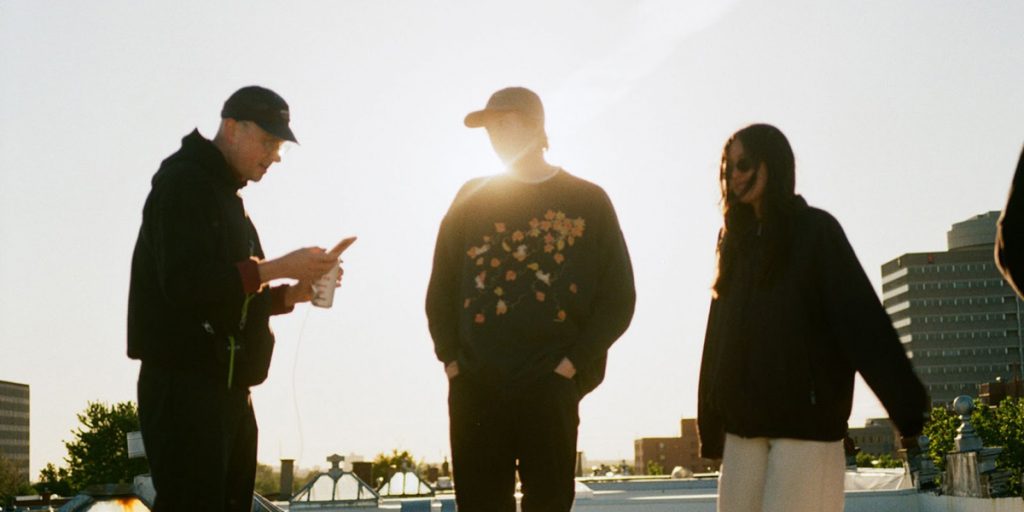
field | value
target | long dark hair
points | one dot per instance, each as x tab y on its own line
762	143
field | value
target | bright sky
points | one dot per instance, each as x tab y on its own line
905	117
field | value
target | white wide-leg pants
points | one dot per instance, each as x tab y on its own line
781	475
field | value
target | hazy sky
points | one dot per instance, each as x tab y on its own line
905	117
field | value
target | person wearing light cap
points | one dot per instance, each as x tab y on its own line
531	285
199	304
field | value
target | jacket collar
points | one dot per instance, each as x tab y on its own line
196	147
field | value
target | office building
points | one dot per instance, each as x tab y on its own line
670	452
958	319
877	437
14	425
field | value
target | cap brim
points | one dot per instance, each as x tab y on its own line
480	118
281	132
476	119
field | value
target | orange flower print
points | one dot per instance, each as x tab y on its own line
513	254
520	253
542	277
473	252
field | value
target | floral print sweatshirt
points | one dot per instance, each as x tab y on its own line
526	274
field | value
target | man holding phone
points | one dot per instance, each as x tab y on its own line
531	285
199	304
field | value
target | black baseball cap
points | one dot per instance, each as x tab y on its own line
261	106
510	99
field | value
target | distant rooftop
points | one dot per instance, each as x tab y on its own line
977	232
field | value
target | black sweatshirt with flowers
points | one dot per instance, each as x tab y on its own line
526	274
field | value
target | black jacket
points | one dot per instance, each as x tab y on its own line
186	296
1010	232
780	356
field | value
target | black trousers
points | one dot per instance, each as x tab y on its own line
495	432
200	440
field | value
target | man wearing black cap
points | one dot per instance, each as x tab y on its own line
199	304
531	285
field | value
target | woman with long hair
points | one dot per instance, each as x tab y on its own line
793	317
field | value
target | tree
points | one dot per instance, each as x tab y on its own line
268	479
12	482
53	480
1001	425
383	462
885	460
98	454
654	468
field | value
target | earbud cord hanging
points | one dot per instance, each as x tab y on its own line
295	394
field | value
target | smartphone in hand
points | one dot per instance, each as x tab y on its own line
336	251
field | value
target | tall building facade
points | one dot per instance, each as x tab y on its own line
14	425
958	319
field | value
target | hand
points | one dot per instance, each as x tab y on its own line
452	370
306	264
298	293
565	368
341	273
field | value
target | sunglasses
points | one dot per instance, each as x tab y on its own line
744	165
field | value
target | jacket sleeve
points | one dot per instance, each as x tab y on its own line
614	298
191	271
443	291
865	333
1010	232
710	425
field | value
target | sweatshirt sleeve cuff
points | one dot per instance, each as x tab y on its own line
277	302
250	273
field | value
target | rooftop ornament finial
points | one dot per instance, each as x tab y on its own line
335	461
967	439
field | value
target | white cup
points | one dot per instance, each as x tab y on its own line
323	288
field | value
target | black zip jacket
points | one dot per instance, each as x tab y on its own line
780	356
187	296
1010	232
